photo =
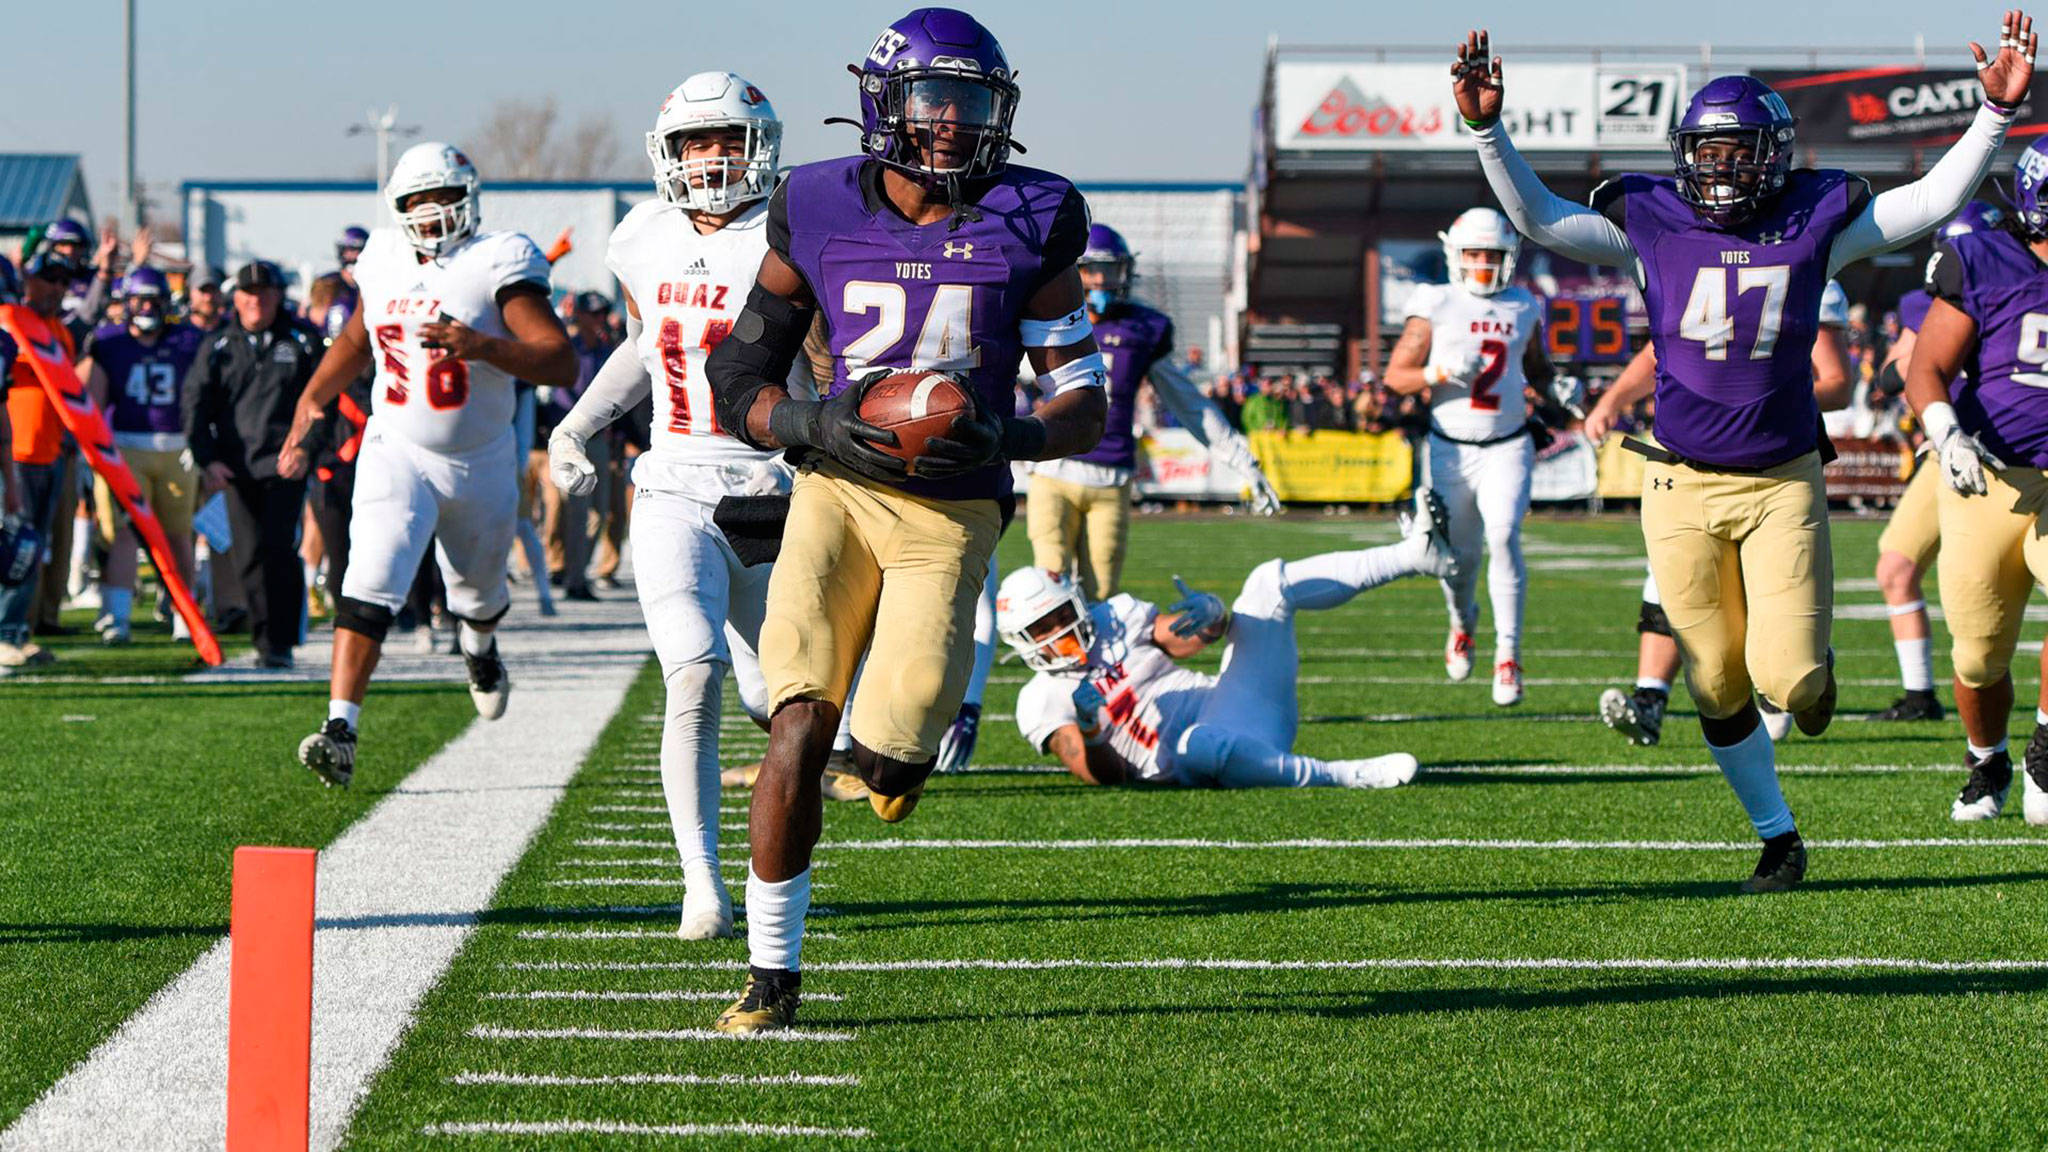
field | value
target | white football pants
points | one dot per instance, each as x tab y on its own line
1486	489
406	496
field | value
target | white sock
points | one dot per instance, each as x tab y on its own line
1751	768
775	920
474	642
1503	653
689	765
1654	684
1333	578
118	603
1916	664
345	710
1977	753
2040	717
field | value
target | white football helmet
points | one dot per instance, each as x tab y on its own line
1025	601
1482	230
434	228
715	184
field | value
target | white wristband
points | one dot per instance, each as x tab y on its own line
1939	418
1069	329
1087	372
1435	374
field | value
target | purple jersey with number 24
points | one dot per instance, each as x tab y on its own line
1733	312
948	295
2002	395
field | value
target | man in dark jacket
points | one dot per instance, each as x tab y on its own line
239	400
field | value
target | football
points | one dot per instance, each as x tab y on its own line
916	405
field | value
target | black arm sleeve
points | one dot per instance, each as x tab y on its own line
1608	201
1066	239
1945	275
778	220
765	341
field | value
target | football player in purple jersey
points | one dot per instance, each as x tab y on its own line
929	250
1732	255
136	374
1978	380
1912	537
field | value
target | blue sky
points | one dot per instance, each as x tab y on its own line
1130	91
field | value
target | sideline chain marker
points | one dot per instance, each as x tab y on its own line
270	999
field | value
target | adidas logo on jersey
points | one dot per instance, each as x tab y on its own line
699	268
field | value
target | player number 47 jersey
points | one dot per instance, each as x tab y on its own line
1494	329
422	394
1147	698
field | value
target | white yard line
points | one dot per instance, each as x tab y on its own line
664	994
668	1079
622	1128
1314	843
399	893
713	1035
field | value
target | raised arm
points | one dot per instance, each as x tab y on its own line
1566	228
1206	422
1902	215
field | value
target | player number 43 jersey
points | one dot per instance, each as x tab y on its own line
424	395
1495	330
1147	698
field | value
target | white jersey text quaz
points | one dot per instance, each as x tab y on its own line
422	394
1498	329
689	287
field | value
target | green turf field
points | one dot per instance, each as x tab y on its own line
1198	985
121	804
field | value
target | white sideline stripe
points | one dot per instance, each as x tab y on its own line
1399	964
1424	842
671	1079
622	1128
792	1036
384	939
663	994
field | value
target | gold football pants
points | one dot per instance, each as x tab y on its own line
1078	527
1992	556
1914	531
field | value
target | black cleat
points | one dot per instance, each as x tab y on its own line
1782	866
489	684
1815	720
1638	715
1983	794
331	752
1916	704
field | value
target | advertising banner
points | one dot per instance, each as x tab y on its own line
1888	105
1373	107
1568	470
1336	467
1173	465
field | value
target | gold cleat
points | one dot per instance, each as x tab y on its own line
740	777
836	785
895	809
762	1007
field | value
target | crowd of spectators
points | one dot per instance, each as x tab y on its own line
197	375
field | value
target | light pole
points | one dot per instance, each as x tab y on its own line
383	125
131	201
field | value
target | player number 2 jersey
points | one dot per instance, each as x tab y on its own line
1148	697
689	288
423	395
1498	329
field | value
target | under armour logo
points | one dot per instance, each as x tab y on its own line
961	248
1662	483
1770	237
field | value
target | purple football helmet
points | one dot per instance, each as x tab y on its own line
148	296
1108	257
936	99
1727	189
2029	173
354	238
65	230
1976	216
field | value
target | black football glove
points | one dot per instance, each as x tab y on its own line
973	442
834	427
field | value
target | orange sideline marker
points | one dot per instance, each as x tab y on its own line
270	999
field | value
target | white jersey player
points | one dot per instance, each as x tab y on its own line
1112	704
687	259
449	316
1473	343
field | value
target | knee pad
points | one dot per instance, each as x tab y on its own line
363	618
887	777
1652	621
1265	588
1802	693
1202	751
486	623
695	681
